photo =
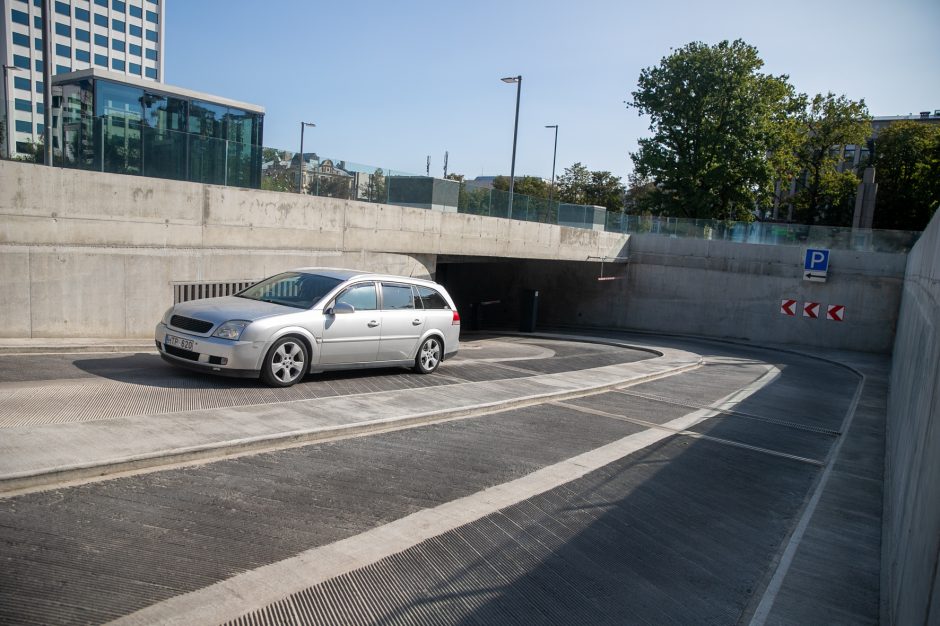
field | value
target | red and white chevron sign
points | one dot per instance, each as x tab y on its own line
835	312
811	309
786	307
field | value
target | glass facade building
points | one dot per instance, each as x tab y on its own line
120	35
108	122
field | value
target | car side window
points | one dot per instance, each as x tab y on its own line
362	297
397	297
430	299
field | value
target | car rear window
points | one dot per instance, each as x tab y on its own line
395	297
430	299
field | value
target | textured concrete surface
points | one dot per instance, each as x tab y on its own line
694	287
106	386
432	523
158	422
88	254
830	570
678	534
46	345
912	504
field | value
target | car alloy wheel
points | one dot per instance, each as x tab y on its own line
286	362
429	356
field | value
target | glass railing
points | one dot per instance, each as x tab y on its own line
338	178
125	145
766	233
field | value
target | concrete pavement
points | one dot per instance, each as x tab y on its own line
32	456
734	513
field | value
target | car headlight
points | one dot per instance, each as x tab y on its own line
231	330
166	316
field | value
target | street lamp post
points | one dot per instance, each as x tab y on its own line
6	107
554	154
300	164
515	135
45	15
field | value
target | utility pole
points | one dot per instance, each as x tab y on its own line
445	163
427	167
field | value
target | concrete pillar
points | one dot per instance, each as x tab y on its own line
865	200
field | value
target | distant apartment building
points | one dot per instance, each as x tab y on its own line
121	36
857	156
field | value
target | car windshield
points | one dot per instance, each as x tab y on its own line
294	289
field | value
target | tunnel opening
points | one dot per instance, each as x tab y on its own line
532	294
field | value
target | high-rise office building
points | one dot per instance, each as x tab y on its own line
124	36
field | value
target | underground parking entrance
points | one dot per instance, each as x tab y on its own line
526	294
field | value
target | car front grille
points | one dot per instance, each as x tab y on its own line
183	354
188	323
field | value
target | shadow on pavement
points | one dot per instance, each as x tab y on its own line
151	370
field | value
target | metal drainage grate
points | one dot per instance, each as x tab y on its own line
186	291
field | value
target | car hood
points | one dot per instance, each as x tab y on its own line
221	310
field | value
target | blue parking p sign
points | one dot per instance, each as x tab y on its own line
816	265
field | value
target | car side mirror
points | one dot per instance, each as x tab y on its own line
341	308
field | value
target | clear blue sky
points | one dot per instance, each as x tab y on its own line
390	82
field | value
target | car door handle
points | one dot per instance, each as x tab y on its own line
373	324
416	322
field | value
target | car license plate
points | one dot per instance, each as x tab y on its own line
179	342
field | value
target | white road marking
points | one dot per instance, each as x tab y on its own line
776	582
231	598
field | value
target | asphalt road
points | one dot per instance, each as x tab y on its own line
636	505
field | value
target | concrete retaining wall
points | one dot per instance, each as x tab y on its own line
911	540
63	291
718	288
87	254
711	288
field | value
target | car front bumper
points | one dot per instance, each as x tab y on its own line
211	354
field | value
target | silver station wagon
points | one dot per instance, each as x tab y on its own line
313	320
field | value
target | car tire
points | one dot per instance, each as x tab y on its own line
429	355
286	362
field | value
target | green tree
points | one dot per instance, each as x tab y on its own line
827	124
907	169
715	118
378	187
275	177
640	196
604	189
32	154
330	186
579	185
279	181
525	185
573	184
